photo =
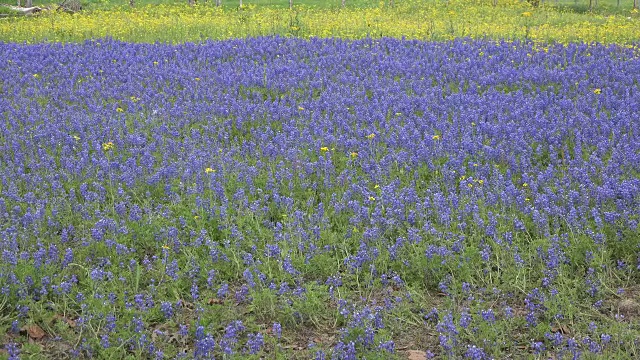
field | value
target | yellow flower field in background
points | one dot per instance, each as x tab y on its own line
413	20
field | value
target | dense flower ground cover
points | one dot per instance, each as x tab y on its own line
412	19
285	198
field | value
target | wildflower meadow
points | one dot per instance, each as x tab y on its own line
429	20
322	196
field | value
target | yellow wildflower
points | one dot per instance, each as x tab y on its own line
354	155
435	137
108	146
119	109
130	26
371	198
197	79
371	136
209	170
324	149
525	185
597	91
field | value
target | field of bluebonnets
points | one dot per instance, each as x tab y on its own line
283	198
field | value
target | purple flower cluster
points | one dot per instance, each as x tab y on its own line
150	182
